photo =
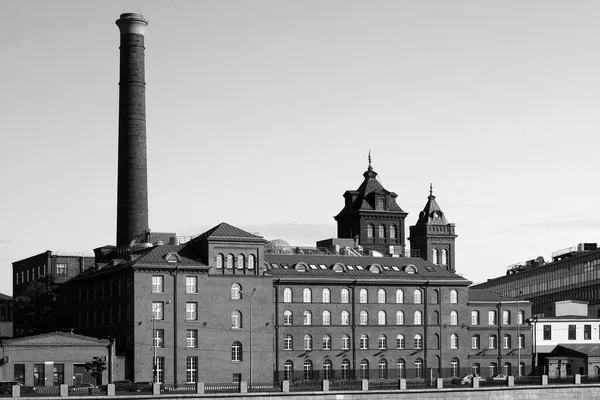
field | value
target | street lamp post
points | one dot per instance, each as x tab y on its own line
249	297
518	340
160	307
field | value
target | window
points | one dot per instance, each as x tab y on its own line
306	295
345	369
521	317
191	311
287	295
474	317
364	318
521	341
453	296
327	369
399	296
572	332
307	318
417	318
587	332
287	317
363	298
236	351
288	368
399	318
159	338
236	320
382	369
157	284
288	342
454	367
307	342
364	369
491	317
364	342
345	296
454	341
493	368
401	367
241	261
308	368
417	297
492	342
392	232
400	343
191	369
506	342
326	342
453	318
435	296
191	338
475	342
380	203
230	261
505	317
345	318
345	342
547	332
381	230
61	270
58	374
434	256
236	291
326	296
370	229
251	261
382	342
522	369
219	261
19	373
507	369
418	341
39	376
326	318
160	369
381	318
158	310
444	257
191	284
418	368
435	342
476	369
381	296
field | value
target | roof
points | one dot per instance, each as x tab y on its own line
587	349
484	295
569	317
157	256
56	338
321	267
224	230
431	207
5	297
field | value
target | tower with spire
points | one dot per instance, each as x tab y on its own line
433	236
372	217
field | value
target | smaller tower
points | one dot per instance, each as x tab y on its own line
433	236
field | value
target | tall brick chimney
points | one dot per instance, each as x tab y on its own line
132	187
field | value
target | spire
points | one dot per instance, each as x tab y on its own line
370	167
432	213
431	190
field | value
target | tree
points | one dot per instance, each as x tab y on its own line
96	367
33	310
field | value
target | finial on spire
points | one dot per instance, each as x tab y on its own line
370	168
431	189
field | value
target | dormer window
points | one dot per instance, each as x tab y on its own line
410	269
380	204
172	257
338	268
376	269
301	267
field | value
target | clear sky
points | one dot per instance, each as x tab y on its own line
261	114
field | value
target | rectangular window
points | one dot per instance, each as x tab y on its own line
237	378
191	284
158	310
159	338
58	374
547	332
492	318
191	311
158	284
19	373
192	369
474	317
160	369
587	332
191	338
505	317
61	270
572	332
39	378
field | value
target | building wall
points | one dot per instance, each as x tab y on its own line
560	332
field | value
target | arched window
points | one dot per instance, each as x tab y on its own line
381	230
307	295
230	261
326	296
453	318
444	257
401	367
474	317
492	317
434	256
418	341
506	342
475	342
326	318
382	342
236	320
307	318
345	296
288	368
454	341
287	317
241	261
418	368
236	351
381	318
476	369
364	342
327	369
364	369
381	296
382	369
364	318
392	232
380	203
345	373
435	296
454	367
308	369
417	320
363	297
399	296
307	342
345	318
345	342
434	318
399	318
251	261
417	299
436	341
493	368
287	295
219	260
326	342
453	296
288	342
492	342
505	317
400	343
507	369
370	229
521	371
236	291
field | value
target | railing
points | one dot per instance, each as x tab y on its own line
383	385
222	387
341	385
419	384
189	388
586	380
565	380
264	387
528	381
306	386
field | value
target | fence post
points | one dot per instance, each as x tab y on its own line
439	383
64	390
365	384
110	389
243	387
326	385
402	384
544	380
200	387
475	382
511	381
16	391
285	386
155	389
578	379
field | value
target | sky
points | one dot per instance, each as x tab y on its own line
261	114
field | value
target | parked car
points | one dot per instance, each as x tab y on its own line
6	386
83	387
463	379
500	377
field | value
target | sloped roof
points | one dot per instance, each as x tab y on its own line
56	339
425	270
156	256
426	216
484	295
224	230
5	297
585	349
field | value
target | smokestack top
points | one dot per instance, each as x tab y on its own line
132	23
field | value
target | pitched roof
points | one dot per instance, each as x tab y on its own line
587	349
487	295
156	256
320	267
224	230
56	338
427	215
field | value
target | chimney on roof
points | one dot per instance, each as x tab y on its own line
132	186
